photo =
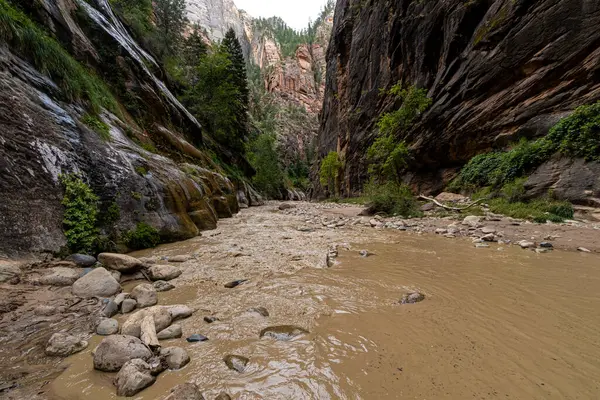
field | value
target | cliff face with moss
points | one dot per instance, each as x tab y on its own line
496	71
78	97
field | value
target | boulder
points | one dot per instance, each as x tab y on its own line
62	345
134	376
179	259
412	298
60	276
490	237
45	310
128	306
120	262
447	197
180	311
427	207
82	260
526	244
163	272
236	363
120	298
176	357
472	221
231	285
282	332
488	229
185	391
161	315
286	206
110	309
172	332
148	332
210	319
223	396
9	271
97	283
259	310
107	326
114	351
162	286
145	295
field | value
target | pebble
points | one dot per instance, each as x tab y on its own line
233	284
525	244
210	320
196	337
547	245
481	245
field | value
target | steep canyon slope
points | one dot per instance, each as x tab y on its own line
496	70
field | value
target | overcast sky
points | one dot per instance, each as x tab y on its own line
295	13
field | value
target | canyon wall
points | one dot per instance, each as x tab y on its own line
496	70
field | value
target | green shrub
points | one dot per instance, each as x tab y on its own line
141	170
329	171
539	210
269	178
81	211
392	199
136	196
97	125
414	102
578	135
26	39
514	191
143	236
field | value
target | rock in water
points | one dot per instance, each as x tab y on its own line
286	206
526	244
97	283
9	272
546	245
233	284
82	260
163	272
185	391
114	351
128	306
63	345
283	332
176	357
259	310
134	376
223	396
583	250
161	315
145	295
179	259
412	298
210	320
172	332
236	363
120	262
162	286
107	326
196	337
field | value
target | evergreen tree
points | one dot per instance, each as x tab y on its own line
194	47
170	22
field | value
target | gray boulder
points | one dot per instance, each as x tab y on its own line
145	295
114	351
162	286
128	306
63	345
162	319
9	271
60	276
120	262
120	298
412	298
163	272
82	260
176	357
107	326
134	376
185	391
180	311
110	309
97	283
172	332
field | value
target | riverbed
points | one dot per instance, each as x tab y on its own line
496	322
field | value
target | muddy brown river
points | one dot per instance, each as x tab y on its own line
499	322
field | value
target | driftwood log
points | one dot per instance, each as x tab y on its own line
437	203
148	335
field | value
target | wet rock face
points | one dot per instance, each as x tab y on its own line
496	71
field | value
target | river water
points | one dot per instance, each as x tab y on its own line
496	323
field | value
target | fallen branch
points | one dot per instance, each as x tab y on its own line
437	203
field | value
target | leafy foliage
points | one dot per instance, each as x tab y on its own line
81	211
269	178
137	14
387	158
329	171
30	42
143	236
414	102
391	198
578	135
170	23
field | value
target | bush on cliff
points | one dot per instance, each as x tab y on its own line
143	236
329	171
81	211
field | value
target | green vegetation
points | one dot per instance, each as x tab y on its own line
30	42
137	14
97	125
578	135
170	24
143	236
414	103
391	198
329	171
81	211
136	196
141	170
262	155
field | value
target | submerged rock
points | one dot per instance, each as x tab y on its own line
134	377
163	272
283	332
97	283
412	298
236	363
196	337
259	310
210	320
179	259
286	206
116	350
185	391
233	284
145	295
176	357
162	286
82	260
63	345
120	262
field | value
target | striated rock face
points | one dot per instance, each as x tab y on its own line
496	71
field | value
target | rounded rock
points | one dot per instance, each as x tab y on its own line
176	357
145	295
62	345
163	272
120	262
114	351
107	326
97	283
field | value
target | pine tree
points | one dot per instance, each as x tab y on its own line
170	21
237	69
